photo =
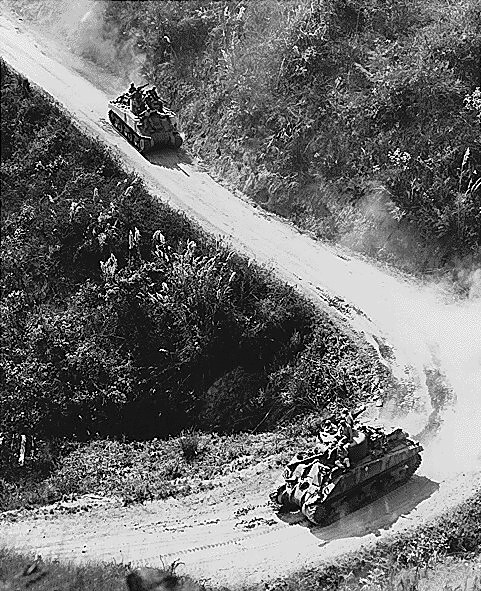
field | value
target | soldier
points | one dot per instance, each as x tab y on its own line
124	98
331	454
137	104
347	425
343	454
153	93
327	435
153	99
329	426
291	467
149	102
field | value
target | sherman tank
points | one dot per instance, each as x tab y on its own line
141	117
347	471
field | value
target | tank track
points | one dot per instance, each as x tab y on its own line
130	135
133	138
369	491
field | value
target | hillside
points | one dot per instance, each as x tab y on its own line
357	119
123	319
135	470
149	361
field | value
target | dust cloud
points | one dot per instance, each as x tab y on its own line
374	225
456	329
81	26
431	330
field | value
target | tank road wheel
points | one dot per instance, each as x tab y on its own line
277	497
141	144
279	501
135	140
116	122
316	513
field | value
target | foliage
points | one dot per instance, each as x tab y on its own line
315	383
302	103
138	471
189	443
29	572
119	314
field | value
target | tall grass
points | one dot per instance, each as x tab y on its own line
301	104
123	318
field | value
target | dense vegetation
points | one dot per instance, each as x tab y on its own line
119	315
359	119
137	471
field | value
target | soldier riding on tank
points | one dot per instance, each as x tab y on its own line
153	101
124	98
347	425
342	460
347	469
140	116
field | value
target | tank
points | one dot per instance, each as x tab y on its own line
141	117
330	483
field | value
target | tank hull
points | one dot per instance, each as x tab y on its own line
141	132
326	493
333	509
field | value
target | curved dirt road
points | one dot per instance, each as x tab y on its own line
424	326
228	536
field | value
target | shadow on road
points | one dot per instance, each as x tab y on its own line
169	158
163	157
380	514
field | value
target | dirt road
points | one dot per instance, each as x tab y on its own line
424	325
229	536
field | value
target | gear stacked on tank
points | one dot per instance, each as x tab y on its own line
351	466
140	116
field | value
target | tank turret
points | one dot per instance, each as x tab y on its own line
352	466
140	116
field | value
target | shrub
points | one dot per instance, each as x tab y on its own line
121	314
189	443
298	96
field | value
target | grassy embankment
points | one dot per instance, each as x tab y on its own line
124	325
357	119
421	560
